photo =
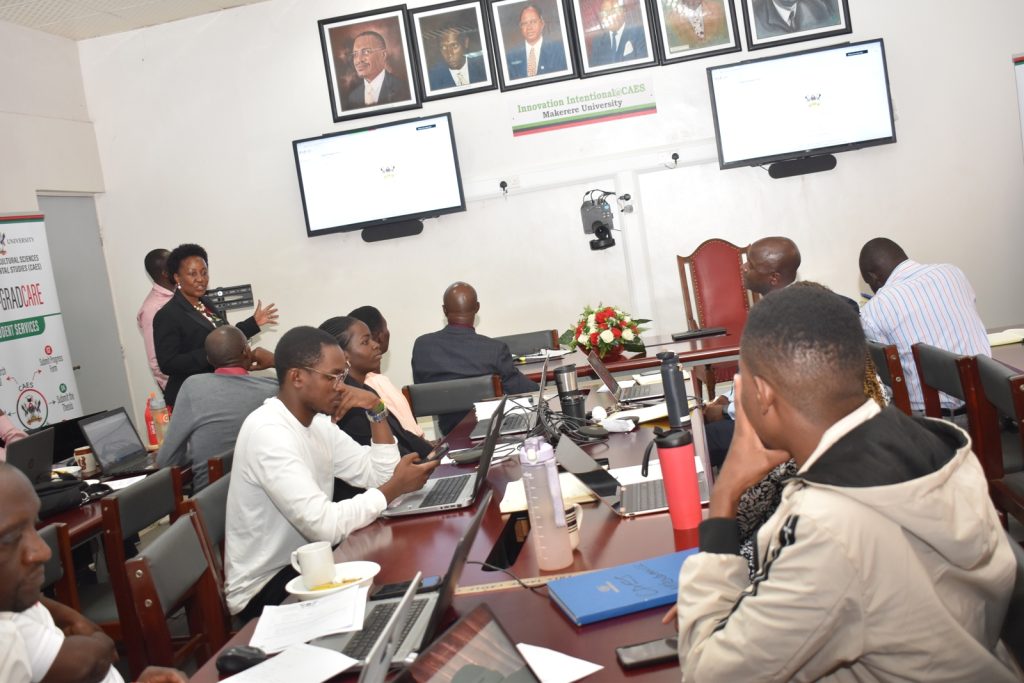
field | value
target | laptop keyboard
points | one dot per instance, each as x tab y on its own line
446	490
640	391
644	495
374	622
510	424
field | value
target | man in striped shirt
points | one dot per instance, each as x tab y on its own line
916	302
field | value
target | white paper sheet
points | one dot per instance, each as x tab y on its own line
306	663
118	484
554	667
573	491
1005	337
301	622
484	409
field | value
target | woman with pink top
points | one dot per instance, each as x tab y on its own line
8	434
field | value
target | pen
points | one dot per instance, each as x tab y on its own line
866	296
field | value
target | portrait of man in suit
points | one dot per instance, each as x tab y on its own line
535	53
454	66
696	26
621	38
375	84
774	18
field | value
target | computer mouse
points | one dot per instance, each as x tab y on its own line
236	659
467	456
595	431
96	491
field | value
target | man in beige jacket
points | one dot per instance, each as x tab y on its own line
885	559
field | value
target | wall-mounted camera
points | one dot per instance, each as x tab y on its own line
597	218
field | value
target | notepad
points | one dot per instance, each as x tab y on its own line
1006	337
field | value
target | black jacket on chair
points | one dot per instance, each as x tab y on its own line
179	332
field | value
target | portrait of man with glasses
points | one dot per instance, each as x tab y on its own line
375	85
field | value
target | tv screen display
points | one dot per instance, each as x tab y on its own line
801	104
380	174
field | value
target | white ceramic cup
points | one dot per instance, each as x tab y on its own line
86	459
574	520
315	562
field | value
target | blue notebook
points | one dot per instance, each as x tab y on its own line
625	589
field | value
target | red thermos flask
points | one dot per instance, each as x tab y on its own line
675	451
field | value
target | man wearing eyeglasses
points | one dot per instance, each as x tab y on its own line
375	85
535	56
287	456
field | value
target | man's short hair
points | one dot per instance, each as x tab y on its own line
809	344
535	8
300	347
156	262
369	315
379	37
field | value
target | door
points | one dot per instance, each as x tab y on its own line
80	271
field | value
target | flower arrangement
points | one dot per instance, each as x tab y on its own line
608	330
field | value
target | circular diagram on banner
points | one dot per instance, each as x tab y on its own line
32	408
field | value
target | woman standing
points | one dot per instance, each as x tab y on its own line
181	326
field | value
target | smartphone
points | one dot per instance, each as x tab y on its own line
660	651
397	590
438	453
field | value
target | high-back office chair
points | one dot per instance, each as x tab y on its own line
451	395
530	342
714	296
937	370
887	363
175	572
219	465
126	513
59	571
210	506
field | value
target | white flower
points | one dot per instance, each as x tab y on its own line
583	339
628	335
607	337
591	319
626	319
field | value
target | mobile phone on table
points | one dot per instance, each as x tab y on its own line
653	652
397	590
436	454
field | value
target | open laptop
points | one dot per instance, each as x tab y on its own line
67	436
456	491
116	444
637	392
475	648
378	661
626	500
425	613
33	455
518	419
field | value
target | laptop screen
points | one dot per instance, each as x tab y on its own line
476	648
602	371
112	437
67	436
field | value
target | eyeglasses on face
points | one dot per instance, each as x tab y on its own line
338	379
365	52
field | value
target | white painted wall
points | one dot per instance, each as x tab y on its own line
194	122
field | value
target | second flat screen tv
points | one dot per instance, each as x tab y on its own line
801	104
379	175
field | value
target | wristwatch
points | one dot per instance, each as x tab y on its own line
377	414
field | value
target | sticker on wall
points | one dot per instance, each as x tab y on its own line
580	106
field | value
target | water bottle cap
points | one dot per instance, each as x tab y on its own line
674	438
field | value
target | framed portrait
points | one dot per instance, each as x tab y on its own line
453	51
532	42
614	35
777	22
692	29
368	63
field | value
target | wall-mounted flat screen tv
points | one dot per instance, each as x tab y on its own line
379	175
802	104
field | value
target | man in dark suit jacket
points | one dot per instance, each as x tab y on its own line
458	351
617	42
455	63
778	17
369	57
550	54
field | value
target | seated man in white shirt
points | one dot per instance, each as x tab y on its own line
288	453
54	642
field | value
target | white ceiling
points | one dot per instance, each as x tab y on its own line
80	19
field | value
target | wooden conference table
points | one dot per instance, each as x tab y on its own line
425	543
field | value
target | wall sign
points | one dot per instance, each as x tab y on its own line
578	106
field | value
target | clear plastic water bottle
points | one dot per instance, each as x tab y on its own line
548	528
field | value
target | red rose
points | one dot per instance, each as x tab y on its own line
599	317
616	332
593	338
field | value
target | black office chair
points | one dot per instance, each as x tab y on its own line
210	506
530	342
450	396
887	363
59	571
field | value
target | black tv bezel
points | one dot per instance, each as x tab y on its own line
390	220
800	153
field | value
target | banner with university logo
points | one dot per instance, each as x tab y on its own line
630	96
37	384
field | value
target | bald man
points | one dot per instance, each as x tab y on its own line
458	351
210	408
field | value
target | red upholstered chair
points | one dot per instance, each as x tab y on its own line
714	296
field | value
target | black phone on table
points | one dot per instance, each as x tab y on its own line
653	652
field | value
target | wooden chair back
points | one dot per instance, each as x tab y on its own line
219	465
887	362
59	572
175	572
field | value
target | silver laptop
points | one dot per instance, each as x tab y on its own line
454	492
378	661
116	444
629	500
637	392
425	611
517	419
33	455
475	648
